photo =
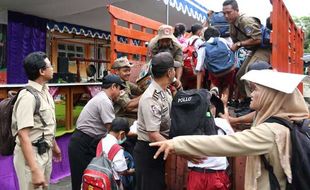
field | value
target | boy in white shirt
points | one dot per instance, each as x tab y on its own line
111	142
196	31
224	79
211	172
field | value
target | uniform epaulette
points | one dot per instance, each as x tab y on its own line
165	109
156	95
169	91
163	97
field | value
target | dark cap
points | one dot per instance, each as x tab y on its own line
111	79
259	65
164	60
120	124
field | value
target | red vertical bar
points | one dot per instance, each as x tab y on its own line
275	26
130	41
113	39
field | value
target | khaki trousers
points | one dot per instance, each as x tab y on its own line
23	171
259	54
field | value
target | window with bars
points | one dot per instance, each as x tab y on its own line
71	50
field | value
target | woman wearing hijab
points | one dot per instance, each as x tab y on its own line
273	94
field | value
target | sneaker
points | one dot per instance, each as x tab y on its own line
233	103
215	91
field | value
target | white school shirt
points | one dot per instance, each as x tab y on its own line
198	42
119	162
216	163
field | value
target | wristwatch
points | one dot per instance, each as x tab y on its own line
239	44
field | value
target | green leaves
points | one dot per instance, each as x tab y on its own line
304	22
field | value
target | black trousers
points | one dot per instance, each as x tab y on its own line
82	149
150	173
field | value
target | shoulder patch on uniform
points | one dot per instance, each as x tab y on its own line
155	109
248	30
122	93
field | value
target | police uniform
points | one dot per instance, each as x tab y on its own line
243	29
90	128
153	115
131	91
23	117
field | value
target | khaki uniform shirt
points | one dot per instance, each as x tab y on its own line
154	112
131	91
174	49
23	114
245	28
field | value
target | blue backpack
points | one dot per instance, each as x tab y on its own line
265	43
218	21
265	34
219	58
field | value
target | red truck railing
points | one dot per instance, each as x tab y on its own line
287	40
138	28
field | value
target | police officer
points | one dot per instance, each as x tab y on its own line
154	123
245	32
35	141
165	41
93	123
127	103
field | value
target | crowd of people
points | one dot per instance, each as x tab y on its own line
124	113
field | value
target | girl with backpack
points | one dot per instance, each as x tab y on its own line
190	57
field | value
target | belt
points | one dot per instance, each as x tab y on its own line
204	170
36	144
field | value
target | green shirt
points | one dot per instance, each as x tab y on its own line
131	91
245	28
174	49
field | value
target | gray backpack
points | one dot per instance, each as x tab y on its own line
7	140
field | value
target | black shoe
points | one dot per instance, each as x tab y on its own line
245	103
233	103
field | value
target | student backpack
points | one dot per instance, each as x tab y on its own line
218	56
190	114
300	158
7	140
190	59
265	34
99	174
218	21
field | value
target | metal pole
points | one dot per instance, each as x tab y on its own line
167	13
